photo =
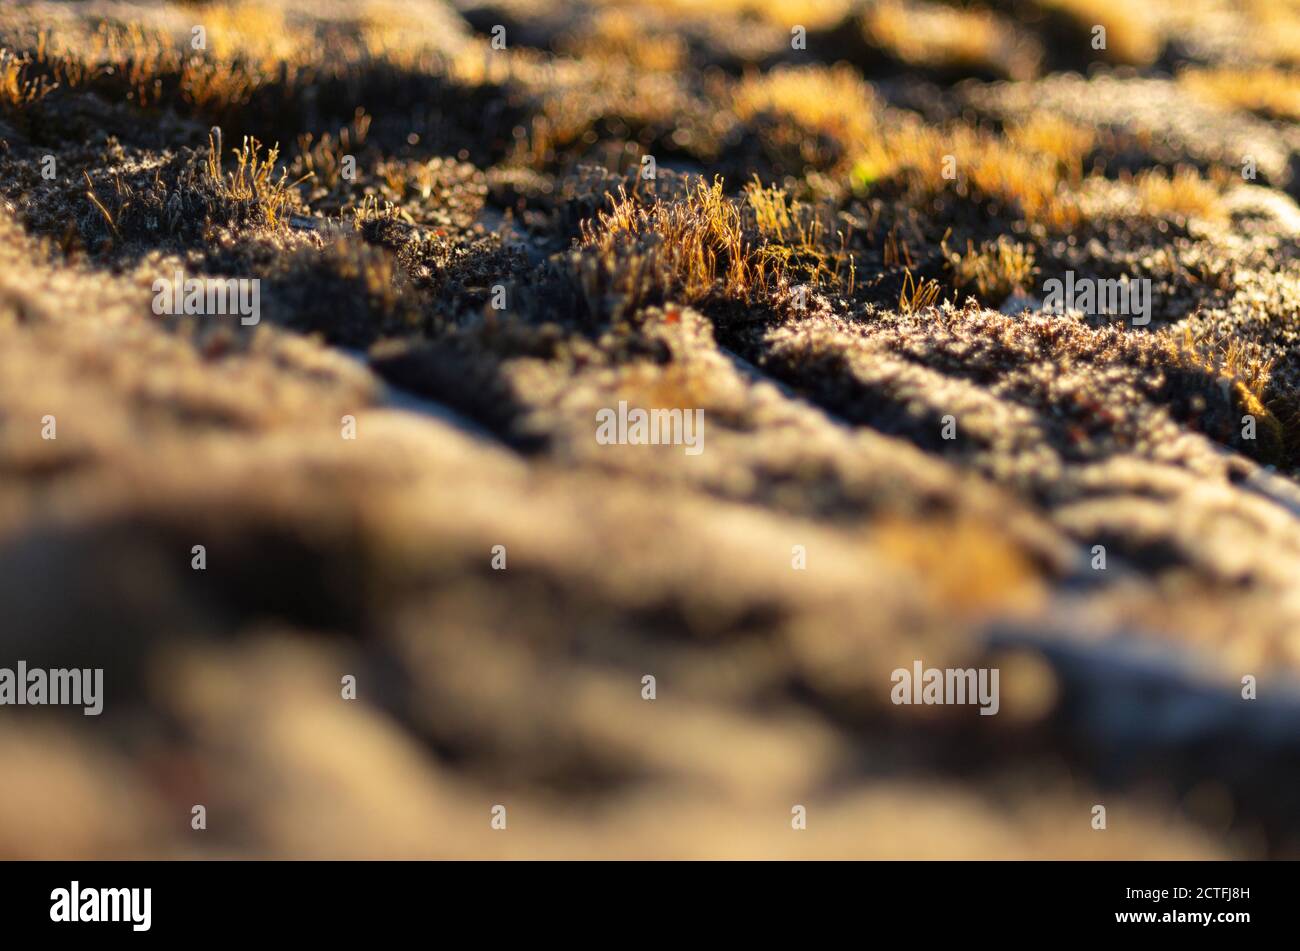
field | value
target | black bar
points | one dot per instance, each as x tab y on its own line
331	900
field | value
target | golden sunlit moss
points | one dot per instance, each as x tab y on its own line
253	180
216	86
18	88
995	270
144	64
917	295
1276	36
917	155
1242	375
570	114
323	158
1273	93
944	37
808	102
252	30
1028	182
705	244
1182	194
810	14
692	247
1232	361
1032	182
622	36
1046	133
1041	184
796	235
1131	37
130	55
